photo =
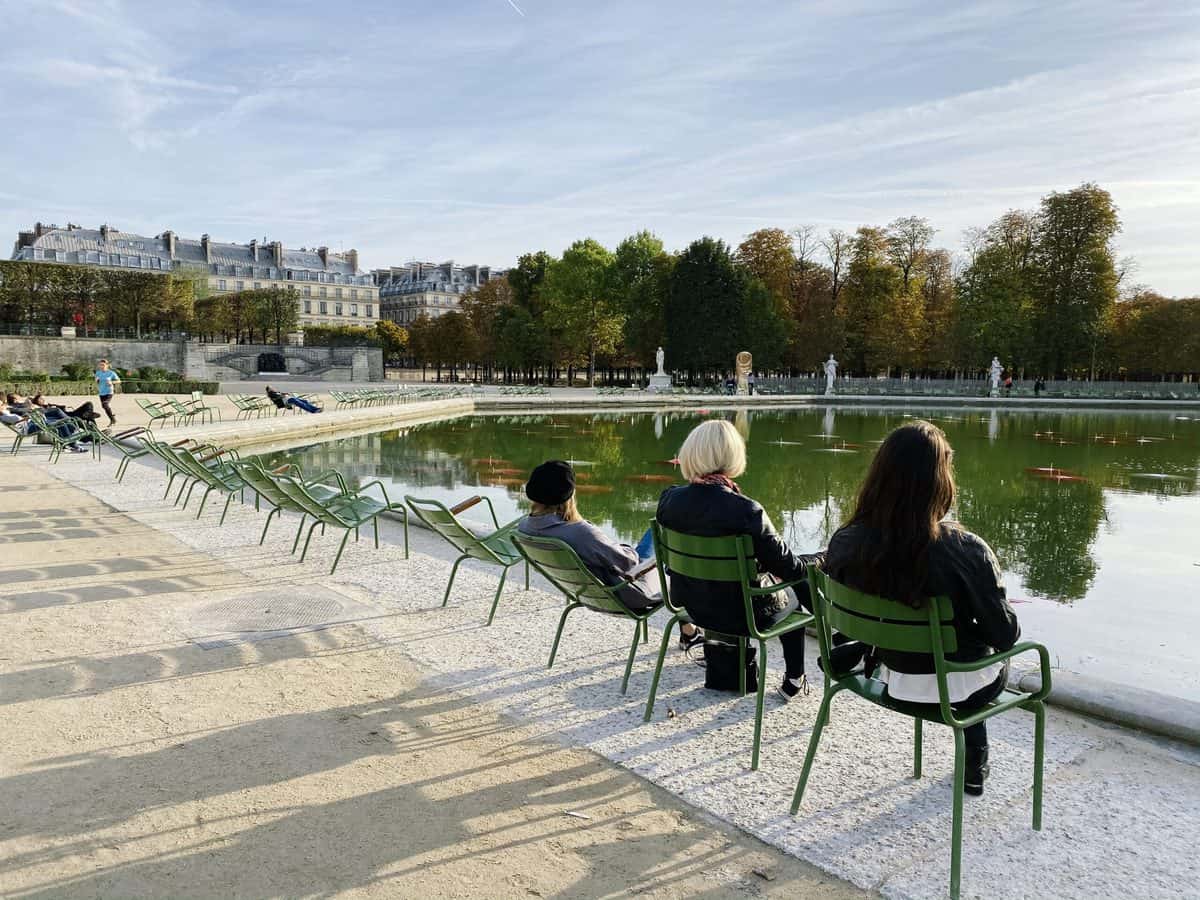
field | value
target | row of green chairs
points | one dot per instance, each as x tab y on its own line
159	411
53	431
524	391
836	608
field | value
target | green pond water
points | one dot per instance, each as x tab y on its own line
1095	516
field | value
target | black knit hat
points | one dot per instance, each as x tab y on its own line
551	483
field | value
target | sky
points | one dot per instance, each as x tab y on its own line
478	130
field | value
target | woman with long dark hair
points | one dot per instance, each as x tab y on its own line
899	545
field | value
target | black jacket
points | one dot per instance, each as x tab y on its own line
962	567
712	510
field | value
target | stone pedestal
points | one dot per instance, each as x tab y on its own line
659	384
68	331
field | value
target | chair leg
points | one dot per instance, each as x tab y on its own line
311	529
1039	740
375	525
916	748
960	769
526	574
225	512
645	631
268	525
562	621
450	583
406	534
203	500
496	600
121	469
299	531
758	711
637	637
818	726
662	652
341	547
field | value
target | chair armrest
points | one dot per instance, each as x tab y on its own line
492	510
648	566
382	489
466	504
181	443
775	588
130	433
1016	649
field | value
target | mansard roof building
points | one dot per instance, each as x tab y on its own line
430	289
330	287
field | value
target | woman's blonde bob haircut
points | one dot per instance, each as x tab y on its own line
713	446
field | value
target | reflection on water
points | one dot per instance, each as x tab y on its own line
1039	487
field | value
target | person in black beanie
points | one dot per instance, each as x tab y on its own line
551	491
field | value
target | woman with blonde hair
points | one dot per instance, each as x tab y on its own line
712	505
551	492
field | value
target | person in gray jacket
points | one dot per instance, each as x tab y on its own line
554	514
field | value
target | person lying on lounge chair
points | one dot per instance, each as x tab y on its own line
283	400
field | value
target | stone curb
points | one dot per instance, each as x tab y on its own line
1130	707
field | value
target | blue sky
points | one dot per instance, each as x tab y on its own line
482	129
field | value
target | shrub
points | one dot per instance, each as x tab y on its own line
78	371
154	373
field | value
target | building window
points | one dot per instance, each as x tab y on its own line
323	307
257	285
322	292
337	292
353	293
370	311
354	309
337	309
221	284
307	291
241	285
308	306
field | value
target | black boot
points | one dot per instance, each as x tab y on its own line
977	770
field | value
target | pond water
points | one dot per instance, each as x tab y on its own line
1095	516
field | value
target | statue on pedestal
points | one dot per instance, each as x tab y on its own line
996	371
743	365
830	374
660	381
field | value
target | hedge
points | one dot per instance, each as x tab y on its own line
88	388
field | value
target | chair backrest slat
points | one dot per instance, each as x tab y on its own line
707	558
884	623
443	522
558	562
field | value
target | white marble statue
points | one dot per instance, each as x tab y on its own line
830	373
996	371
660	357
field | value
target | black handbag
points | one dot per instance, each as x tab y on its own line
721	667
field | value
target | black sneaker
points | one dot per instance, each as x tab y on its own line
687	642
793	687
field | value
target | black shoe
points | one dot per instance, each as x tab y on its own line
977	770
793	687
687	642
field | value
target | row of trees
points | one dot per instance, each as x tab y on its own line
46	294
1041	289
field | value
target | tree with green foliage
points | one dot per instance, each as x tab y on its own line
392	338
579	295
1076	276
641	270
704	308
275	310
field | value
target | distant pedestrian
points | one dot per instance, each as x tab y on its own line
106	378
1008	383
1039	385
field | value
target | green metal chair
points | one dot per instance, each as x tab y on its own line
265	487
894	626
563	568
348	511
215	473
117	442
58	441
156	411
728	558
19	435
495	548
197	404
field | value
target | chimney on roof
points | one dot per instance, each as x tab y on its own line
169	240
277	253
104	230
352	259
254	249
323	252
206	248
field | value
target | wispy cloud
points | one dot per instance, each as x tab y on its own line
459	131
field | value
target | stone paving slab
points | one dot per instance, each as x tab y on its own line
1122	814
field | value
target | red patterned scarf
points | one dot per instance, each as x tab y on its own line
719	478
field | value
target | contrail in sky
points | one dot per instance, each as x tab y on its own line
520	11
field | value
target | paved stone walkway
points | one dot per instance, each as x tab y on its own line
180	722
1122	812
